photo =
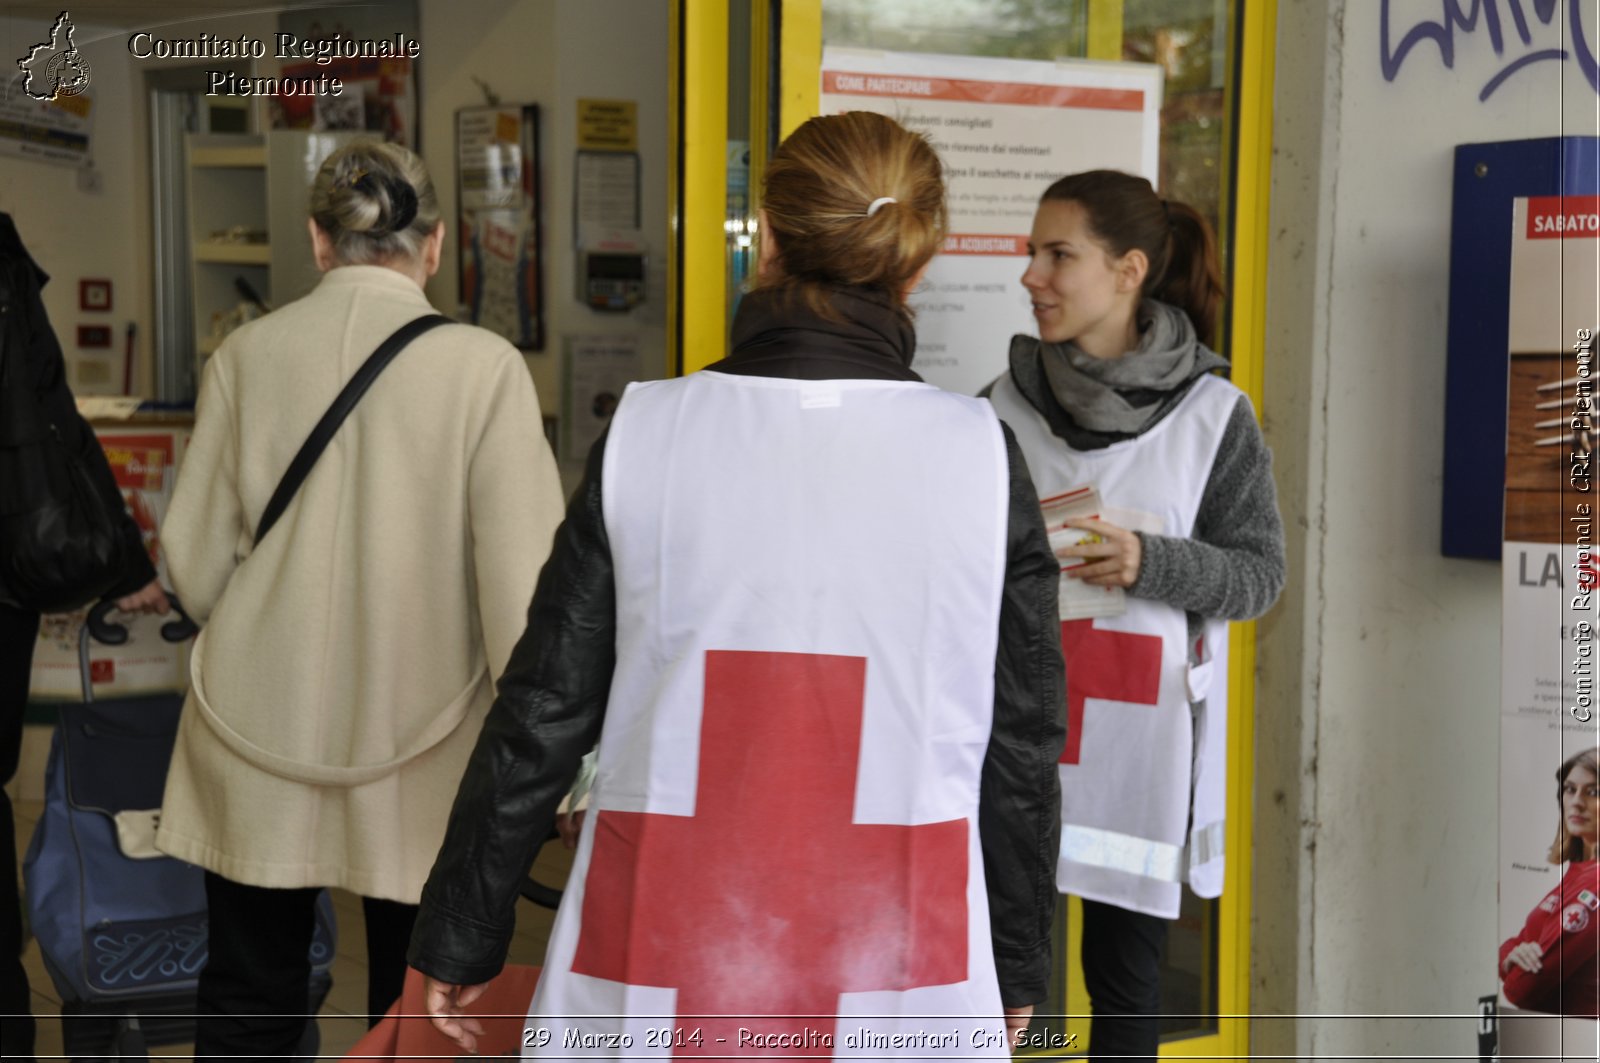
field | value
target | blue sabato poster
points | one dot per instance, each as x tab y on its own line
1549	919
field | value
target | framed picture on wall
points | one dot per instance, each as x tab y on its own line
497	187
94	294
94	335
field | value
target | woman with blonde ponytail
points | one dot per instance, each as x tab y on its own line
1120	392
806	604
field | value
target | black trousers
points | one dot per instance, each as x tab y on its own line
18	632
255	984
1122	971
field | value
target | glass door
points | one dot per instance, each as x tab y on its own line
697	274
726	125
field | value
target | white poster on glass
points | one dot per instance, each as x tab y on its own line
1004	129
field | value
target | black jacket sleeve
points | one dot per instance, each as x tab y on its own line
1019	803
25	331
550	705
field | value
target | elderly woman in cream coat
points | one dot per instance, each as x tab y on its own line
347	664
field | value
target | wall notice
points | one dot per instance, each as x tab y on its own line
1005	129
497	173
1550	708
55	131
595	373
608	125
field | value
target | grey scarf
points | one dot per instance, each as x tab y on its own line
1126	394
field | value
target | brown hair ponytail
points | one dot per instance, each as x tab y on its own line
1125	213
822	198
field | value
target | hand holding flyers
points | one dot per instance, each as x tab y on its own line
1099	552
1109	554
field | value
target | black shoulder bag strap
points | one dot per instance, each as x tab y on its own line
315	443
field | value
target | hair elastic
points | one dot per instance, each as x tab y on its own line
880	201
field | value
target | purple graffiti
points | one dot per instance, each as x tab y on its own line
1462	17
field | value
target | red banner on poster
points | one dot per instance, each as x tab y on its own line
1563	217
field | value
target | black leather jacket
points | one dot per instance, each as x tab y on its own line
552	697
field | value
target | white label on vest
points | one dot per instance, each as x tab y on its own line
819	394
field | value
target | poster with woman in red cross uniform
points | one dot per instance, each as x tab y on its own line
1549	924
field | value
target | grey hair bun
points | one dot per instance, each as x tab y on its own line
376	203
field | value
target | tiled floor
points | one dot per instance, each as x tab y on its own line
341	1022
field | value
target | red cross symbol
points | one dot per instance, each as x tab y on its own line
769	900
1113	665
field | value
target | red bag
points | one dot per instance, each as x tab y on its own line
407	1033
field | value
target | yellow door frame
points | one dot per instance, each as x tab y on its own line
1105	20
698	306
800	63
1249	205
697	295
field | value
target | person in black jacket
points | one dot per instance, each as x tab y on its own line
853	212
28	347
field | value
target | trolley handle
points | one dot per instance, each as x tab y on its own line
104	631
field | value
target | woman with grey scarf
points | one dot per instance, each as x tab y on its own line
1120	394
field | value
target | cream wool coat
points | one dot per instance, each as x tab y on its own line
345	668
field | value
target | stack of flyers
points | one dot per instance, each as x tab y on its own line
1080	600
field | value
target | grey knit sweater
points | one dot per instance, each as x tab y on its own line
1233	566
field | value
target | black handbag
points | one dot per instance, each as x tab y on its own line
61	540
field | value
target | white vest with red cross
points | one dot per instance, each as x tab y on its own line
781	855
1144	772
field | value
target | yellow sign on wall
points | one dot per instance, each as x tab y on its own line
608	125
